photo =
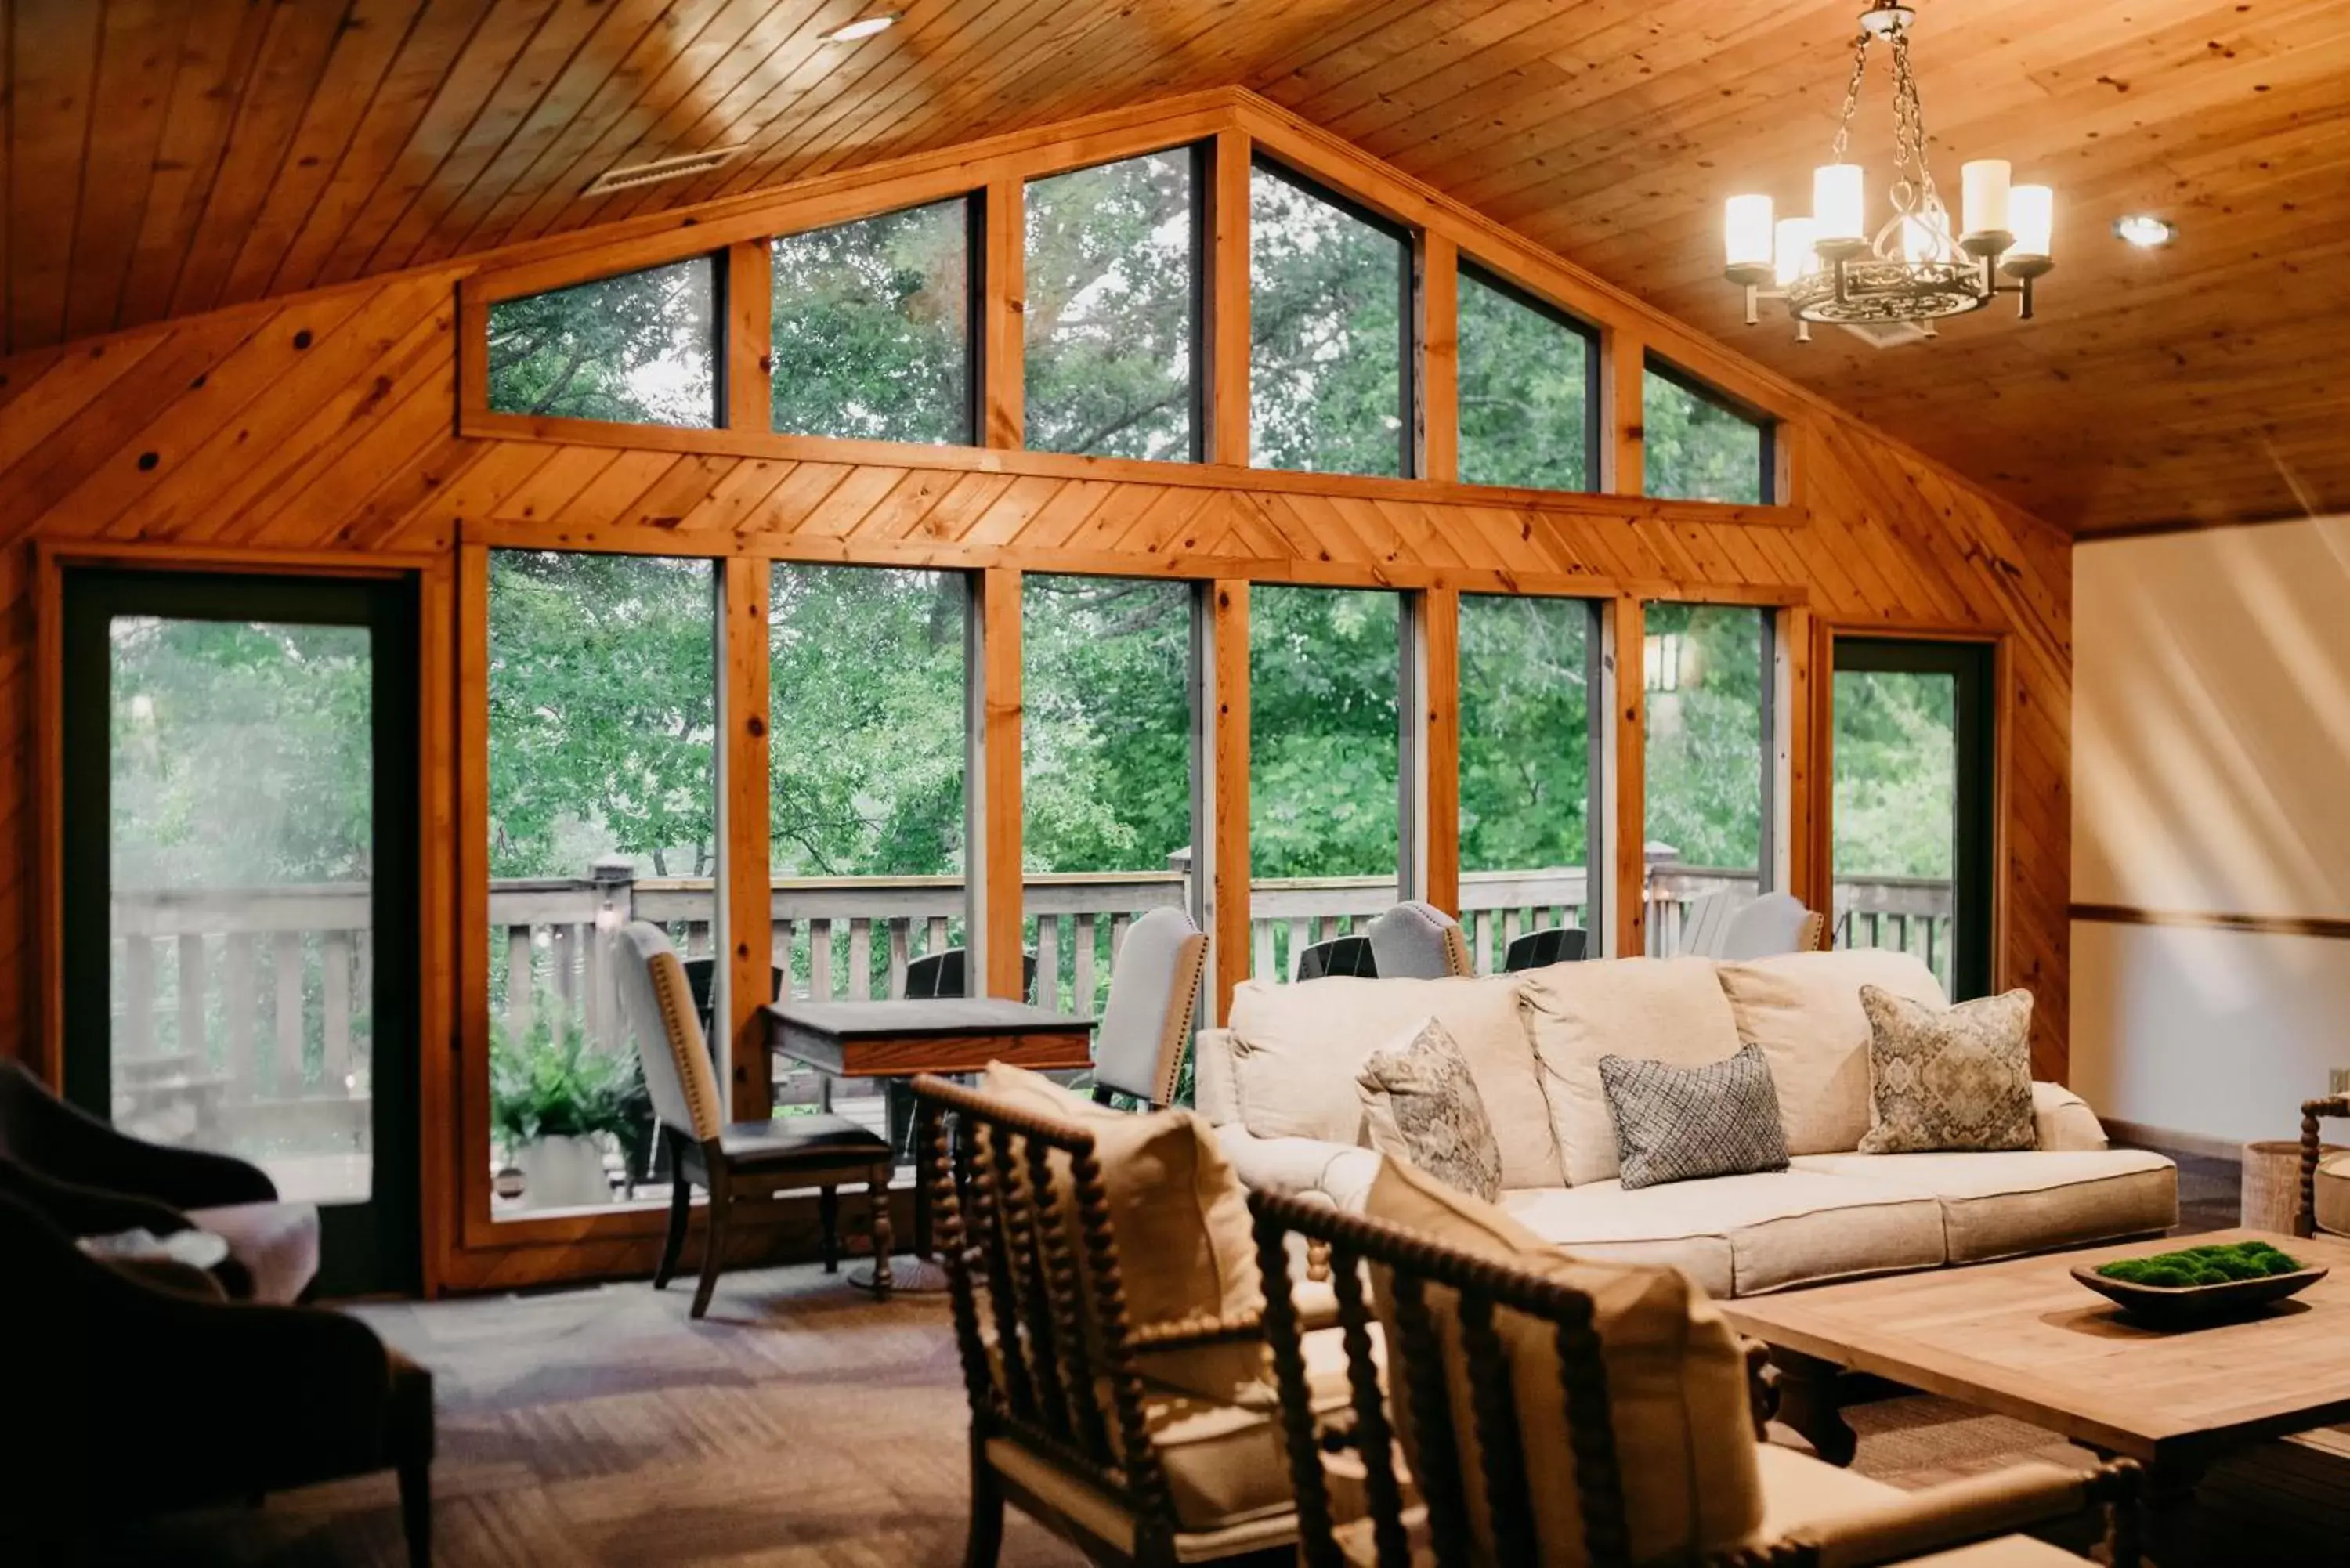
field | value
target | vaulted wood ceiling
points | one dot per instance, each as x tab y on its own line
167	156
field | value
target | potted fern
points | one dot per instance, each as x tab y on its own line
554	1099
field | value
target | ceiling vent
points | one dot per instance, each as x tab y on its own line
629	176
1889	334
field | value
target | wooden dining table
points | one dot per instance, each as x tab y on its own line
948	1035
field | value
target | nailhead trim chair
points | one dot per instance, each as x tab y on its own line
731	1160
1153	991
2324	1207
1416	940
1439	1322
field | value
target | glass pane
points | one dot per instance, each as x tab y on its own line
1525	393
1108	302
1703	671
872	327
1326	335
602	811
242	858
1324	844
636	349
1695	448
1897	812
1525	769
1106	740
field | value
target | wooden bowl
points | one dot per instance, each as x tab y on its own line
2191	1306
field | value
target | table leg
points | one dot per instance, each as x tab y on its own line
1808	1403
2171	1519
921	1273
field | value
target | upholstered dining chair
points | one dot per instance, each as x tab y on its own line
1772	924
1088	1361
1154	992
1485	1427
1417	940
733	1159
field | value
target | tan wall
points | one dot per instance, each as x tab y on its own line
2211	716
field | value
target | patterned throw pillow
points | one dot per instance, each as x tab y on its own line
1677	1124
1421	1105
1955	1078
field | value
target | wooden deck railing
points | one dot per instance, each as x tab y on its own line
258	998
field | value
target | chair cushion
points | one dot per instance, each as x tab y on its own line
1801	1492
1185	1248
276	1246
1742	1235
1803	1010
1949	1079
1295	1051
1420	1104
1677	1385
1661	1009
800	1140
2002	1205
2334	1194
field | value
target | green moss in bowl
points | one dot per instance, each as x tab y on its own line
2214	1265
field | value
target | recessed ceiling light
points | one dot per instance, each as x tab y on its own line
863	27
2144	230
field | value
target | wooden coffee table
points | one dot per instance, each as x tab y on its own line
2024	1339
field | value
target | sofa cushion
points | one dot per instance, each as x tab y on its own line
1678	1123
1185	1249
2030	1200
1803	1010
273	1249
1677	1385
1742	1235
1420	1104
1949	1079
1295	1049
1662	1010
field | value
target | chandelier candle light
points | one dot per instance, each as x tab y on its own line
1829	267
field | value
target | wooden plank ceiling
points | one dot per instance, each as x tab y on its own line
167	156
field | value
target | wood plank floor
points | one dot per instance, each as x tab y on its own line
801	1425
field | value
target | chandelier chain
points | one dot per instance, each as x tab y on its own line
1909	136
1851	100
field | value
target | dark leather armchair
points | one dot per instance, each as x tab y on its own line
136	1399
88	1179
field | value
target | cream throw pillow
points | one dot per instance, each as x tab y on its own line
1421	1105
1677	1389
1185	1249
1296	1050
1950	1078
1659	1010
1804	1011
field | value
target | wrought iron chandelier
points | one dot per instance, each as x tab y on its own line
1913	269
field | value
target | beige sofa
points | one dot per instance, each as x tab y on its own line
1278	1085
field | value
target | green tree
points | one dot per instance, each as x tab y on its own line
872	327
1106	723
1704	734
1323	732
1525	732
636	348
1896	773
1325	343
1694	449
1525	393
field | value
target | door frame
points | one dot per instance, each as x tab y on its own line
432	797
1818	852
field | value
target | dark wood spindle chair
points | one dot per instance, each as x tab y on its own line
1062	1413
1431	1287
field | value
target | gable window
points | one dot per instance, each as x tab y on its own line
872	327
1111	304
638	348
1700	445
1329	336
1529	382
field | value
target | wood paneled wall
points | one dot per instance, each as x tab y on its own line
322	427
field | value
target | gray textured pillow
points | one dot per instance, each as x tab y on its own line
1677	1124
1954	1078
1421	1105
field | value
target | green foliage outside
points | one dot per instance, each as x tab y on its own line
1323	732
1704	750
1693	449
1106	730
635	348
1896	773
1106	299
554	1083
1325	346
1525	732
2212	1265
1525	393
872	327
